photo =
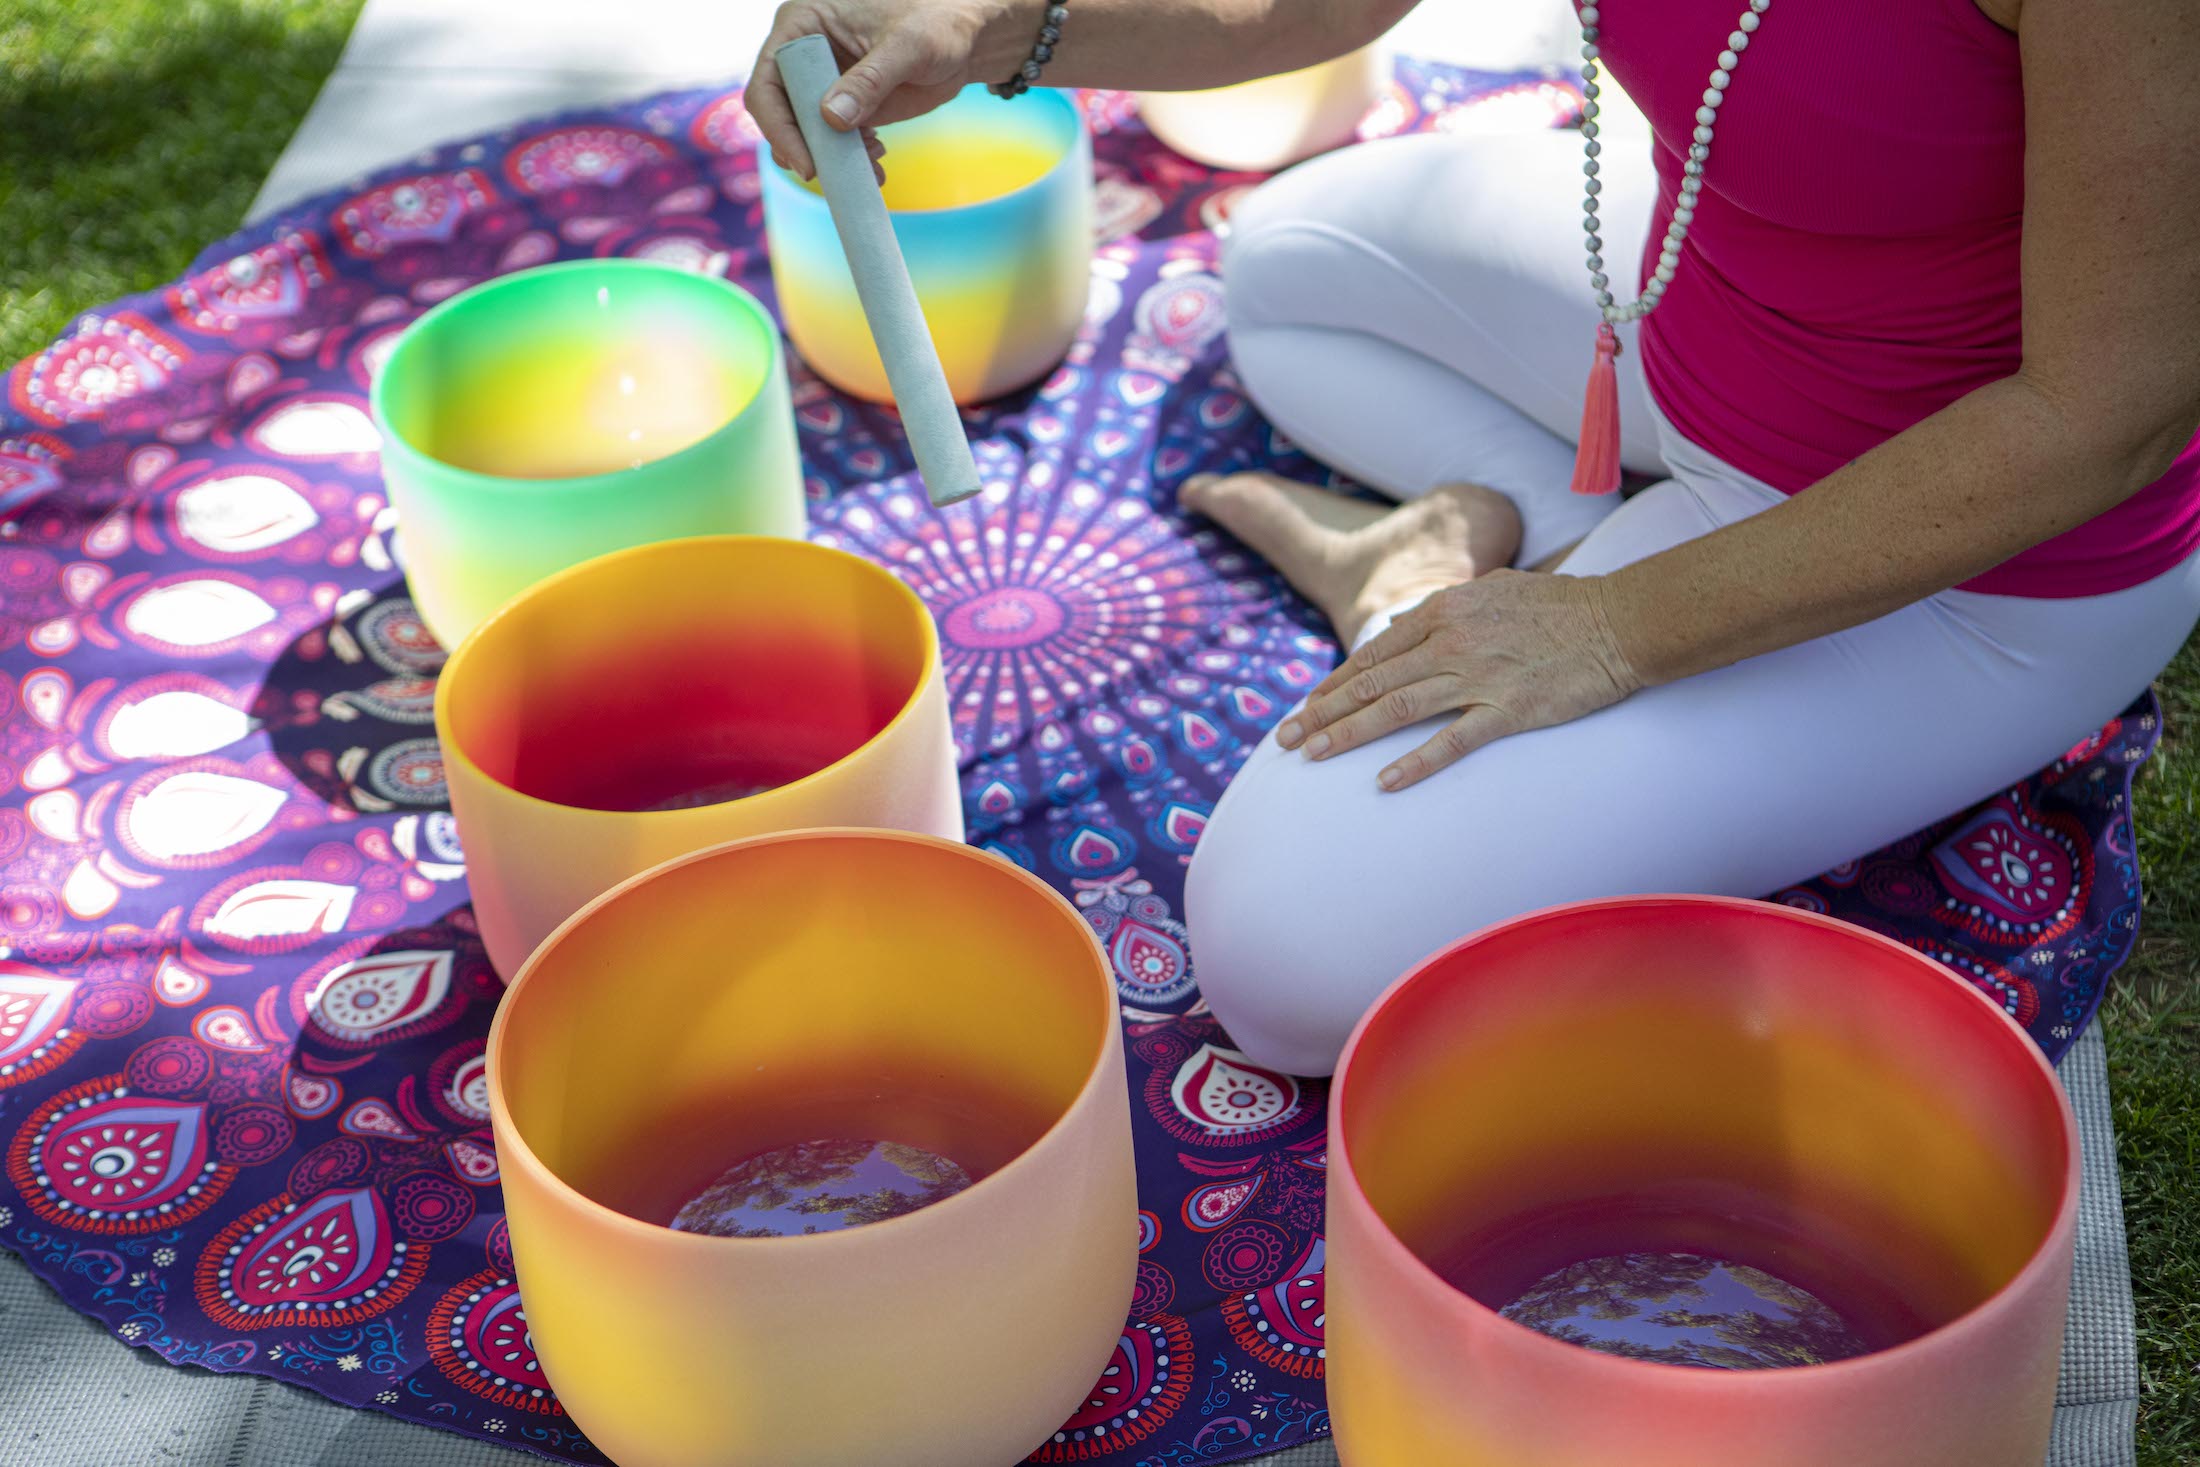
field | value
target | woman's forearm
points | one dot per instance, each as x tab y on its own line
1181	45
1996	472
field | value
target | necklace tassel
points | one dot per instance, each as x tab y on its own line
1596	461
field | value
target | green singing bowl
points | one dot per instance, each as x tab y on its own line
550	416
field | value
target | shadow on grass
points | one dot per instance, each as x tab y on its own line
137	132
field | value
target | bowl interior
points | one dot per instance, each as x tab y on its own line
566	372
825	985
1726	1082
974	149
686	673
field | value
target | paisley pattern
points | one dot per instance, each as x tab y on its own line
35	1038
1218	1095
1280	1324
107	361
477	1336
332	1260
267	285
1145	1384
2014	876
242	1001
101	1159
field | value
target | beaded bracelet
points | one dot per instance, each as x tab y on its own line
1050	34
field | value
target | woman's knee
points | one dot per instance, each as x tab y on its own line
1302	909
1259	951
1300	228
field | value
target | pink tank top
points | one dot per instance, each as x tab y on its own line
1853	262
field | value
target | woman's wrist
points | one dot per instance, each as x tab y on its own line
1007	32
1610	618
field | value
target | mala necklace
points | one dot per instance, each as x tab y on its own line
1596	461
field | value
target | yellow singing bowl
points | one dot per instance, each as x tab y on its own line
791	988
1275	121
657	700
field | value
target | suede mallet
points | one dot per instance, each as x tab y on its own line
928	412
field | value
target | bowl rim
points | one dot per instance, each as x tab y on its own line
928	650
1345	1185
1080	146
1105	1070
477	482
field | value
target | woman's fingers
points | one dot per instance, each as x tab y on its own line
903	50
766	94
1382	665
1401	707
1478	725
909	52
1407	629
766	99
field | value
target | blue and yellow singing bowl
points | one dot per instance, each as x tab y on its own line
992	205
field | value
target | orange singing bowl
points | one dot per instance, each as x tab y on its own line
825	983
1647	1123
673	696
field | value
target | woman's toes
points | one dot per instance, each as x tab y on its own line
1192	495
1226	497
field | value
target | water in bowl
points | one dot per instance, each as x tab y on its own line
820	1187
819	1147
1685	1309
1707	1275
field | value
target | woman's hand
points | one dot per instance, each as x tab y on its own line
1508	652
901	58
898	58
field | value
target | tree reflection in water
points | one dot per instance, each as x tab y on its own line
1683	1309
820	1187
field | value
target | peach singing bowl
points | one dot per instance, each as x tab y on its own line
661	699
1869	1151
1274	121
553	414
991	203
816	984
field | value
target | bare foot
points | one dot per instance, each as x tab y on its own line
1354	559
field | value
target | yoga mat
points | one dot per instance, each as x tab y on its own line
234	903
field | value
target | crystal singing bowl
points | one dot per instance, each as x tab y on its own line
1267	124
1715	1078
819	983
673	696
552	415
992	204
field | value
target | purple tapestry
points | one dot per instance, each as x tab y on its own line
242	1003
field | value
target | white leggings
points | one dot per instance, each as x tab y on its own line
1416	311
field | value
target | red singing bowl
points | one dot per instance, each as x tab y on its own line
1740	1091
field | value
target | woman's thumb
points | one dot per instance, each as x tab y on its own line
899	55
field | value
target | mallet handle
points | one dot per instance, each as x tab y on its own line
928	412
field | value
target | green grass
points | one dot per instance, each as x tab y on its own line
2152	1024
134	132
